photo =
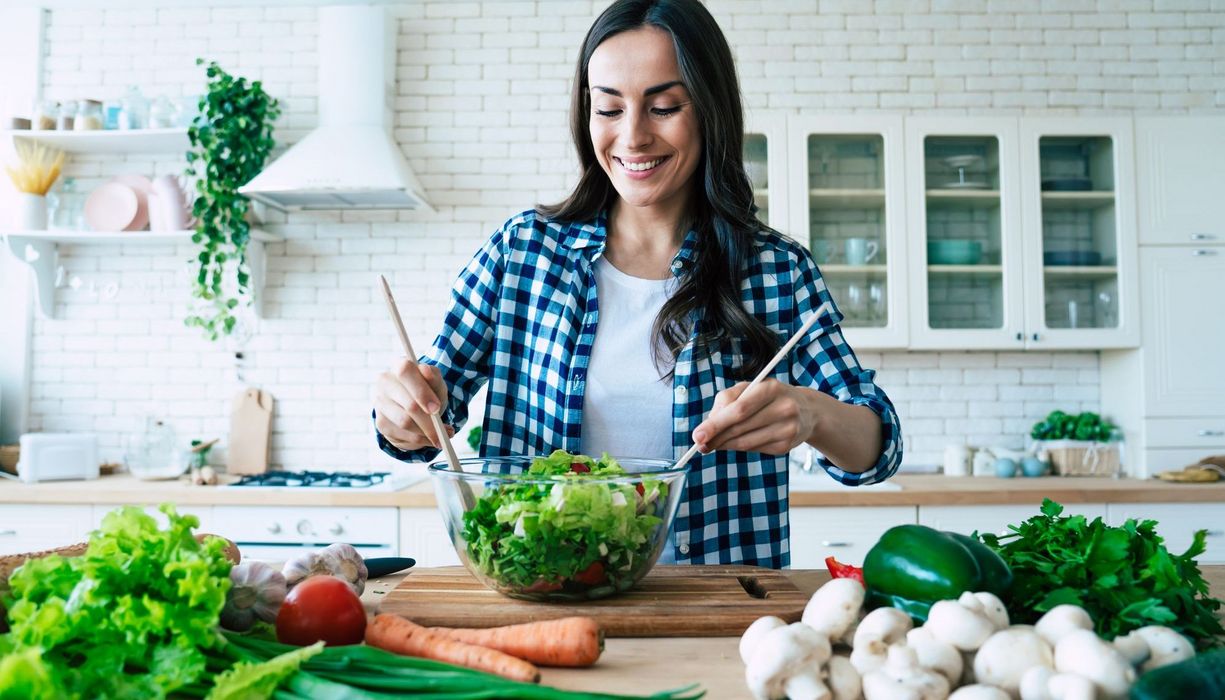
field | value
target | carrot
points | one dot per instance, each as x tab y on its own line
568	641
403	636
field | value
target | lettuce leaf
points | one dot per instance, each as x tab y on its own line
257	681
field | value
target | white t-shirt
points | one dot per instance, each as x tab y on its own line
627	407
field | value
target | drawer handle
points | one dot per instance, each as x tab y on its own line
1211	433
831	543
4	533
1202	237
1214	533
1202	252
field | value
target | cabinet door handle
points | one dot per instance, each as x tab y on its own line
834	543
1020	335
1201	252
1211	433
1202	237
1034	337
5	533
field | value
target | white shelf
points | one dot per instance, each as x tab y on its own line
134	141
1077	200
821	198
1098	271
872	270
965	269
967	199
40	250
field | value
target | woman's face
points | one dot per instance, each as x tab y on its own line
642	123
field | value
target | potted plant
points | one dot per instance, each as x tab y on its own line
231	139
1081	444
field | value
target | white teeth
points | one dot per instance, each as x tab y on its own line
639	167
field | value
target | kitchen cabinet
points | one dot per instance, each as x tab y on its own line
1177	524
1179	160
994	519
844	533
765	161
423	536
1078	227
848	207
40	249
32	528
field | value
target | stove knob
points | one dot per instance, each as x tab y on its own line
275	528
305	528
336	529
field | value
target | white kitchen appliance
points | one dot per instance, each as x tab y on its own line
351	160
278	533
58	457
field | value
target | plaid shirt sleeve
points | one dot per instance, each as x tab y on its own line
461	350
824	360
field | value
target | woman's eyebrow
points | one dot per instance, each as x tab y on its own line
645	93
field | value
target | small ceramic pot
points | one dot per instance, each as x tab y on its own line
1005	467
31	212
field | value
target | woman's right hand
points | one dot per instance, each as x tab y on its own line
403	398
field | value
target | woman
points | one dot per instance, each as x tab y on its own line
630	317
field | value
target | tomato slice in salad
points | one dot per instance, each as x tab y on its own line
579	468
593	575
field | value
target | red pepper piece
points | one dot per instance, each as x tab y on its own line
839	570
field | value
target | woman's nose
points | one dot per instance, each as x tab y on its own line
636	131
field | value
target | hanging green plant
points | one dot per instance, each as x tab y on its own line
230	141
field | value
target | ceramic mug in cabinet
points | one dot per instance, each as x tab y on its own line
860	251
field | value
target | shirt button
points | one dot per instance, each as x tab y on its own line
682	393
684	548
677	265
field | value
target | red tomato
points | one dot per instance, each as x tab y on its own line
593	575
579	468
640	489
321	607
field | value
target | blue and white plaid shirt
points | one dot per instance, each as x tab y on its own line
523	317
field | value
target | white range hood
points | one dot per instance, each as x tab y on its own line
351	160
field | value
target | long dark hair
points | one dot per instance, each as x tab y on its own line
721	205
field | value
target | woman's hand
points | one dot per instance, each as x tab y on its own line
404	397
773	418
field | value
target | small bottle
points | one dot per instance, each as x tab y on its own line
135	112
89	116
67	114
45	115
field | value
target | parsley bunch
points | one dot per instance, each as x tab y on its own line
1124	577
132	617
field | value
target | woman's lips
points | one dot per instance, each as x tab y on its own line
641	169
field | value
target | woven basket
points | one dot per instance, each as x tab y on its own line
1083	457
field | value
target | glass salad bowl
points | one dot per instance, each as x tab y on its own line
558	528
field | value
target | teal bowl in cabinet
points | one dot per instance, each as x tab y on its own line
954	251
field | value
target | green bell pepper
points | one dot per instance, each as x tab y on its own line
913	566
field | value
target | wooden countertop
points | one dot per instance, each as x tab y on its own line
643	666
921	490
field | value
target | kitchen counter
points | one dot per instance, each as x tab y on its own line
915	490
643	666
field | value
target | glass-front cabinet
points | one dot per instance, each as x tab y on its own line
964	234
848	208
1081	282
765	162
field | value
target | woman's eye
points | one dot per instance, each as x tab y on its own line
665	111
608	113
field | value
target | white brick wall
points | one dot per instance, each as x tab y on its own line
481	114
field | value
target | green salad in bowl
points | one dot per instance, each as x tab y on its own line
561	527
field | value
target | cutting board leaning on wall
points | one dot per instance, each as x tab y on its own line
250	432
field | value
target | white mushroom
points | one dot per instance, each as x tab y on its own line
1005	657
936	654
753	635
1133	647
962	622
978	691
1061	620
877	631
843	679
1085	654
1042	683
987	604
1165	647
787	663
902	678
835	607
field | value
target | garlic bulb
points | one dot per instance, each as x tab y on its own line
339	559
257	592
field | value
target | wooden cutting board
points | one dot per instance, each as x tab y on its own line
671	601
250	428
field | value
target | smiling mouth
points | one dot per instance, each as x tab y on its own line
642	166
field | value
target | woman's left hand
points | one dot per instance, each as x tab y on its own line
773	418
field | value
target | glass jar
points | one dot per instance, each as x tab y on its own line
45	115
162	113
89	116
134	113
67	114
69	211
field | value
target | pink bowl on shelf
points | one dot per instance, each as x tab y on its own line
112	207
142	186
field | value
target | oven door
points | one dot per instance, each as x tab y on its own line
279	533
